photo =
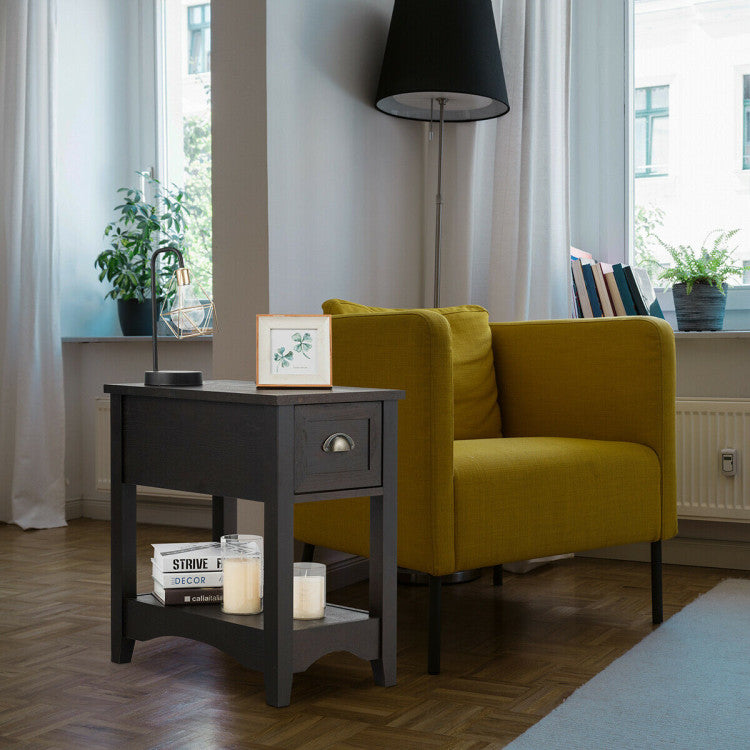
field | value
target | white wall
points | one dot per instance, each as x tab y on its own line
344	180
102	142
316	193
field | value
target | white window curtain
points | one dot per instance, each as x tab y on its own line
32	423
506	236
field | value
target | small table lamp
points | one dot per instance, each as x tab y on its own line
442	54
187	311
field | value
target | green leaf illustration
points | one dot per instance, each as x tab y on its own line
282	357
304	343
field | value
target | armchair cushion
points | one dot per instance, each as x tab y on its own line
475	401
517	498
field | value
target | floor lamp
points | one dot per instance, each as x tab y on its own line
442	61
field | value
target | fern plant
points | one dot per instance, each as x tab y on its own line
713	264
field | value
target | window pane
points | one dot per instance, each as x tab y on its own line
640	145
640	98
659	145
746	87
207	13
659	97
196	15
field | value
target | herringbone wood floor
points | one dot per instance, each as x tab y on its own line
510	655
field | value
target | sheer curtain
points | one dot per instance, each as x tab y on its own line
506	235
32	424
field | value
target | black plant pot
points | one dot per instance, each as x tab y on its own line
702	309
135	317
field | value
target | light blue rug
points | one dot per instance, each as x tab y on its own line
686	686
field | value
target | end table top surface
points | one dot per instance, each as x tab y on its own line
246	392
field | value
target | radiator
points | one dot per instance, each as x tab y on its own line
704	428
102	457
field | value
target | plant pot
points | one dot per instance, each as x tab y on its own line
702	309
135	317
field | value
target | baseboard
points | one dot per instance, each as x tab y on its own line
73	509
702	553
347	572
192	513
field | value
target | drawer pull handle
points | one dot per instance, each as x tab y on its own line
337	443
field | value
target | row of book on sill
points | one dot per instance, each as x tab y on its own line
604	290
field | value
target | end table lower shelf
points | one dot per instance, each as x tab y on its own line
241	636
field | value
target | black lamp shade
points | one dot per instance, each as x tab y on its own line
442	48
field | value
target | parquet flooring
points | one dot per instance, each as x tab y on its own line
510	656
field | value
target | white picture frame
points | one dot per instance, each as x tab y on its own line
293	351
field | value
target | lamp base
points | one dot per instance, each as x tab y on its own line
173	377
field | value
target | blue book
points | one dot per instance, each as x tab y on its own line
635	292
588	277
624	289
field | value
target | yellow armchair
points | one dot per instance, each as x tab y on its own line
585	457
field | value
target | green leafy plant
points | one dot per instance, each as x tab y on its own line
712	264
303	345
647	220
142	227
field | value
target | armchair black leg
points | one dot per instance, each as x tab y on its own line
657	606
497	575
433	647
308	550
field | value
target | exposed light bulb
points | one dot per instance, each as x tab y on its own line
187	312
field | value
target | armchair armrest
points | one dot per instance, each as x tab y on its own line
409	350
604	379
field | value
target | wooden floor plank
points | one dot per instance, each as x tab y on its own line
511	654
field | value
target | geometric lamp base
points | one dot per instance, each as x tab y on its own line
174	377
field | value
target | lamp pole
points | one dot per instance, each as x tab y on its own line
439	202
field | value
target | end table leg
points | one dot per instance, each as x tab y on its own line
123	567
383	586
223	517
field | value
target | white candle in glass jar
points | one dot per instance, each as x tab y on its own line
241	585
309	597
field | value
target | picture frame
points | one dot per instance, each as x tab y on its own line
293	351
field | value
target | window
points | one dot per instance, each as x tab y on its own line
185	123
704	195
746	122
651	131
199	38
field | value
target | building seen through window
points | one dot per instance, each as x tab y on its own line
199	40
651	130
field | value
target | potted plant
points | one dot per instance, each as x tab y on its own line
699	280
141	227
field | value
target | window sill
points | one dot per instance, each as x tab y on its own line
127	339
712	335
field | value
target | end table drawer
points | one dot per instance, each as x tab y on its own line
337	446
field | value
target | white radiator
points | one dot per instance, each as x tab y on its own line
704	428
102	457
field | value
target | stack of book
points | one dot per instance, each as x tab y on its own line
602	290
187	573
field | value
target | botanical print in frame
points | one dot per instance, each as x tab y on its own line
293	351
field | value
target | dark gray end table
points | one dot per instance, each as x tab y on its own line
232	440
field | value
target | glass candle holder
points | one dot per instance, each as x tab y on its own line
309	591
242	568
